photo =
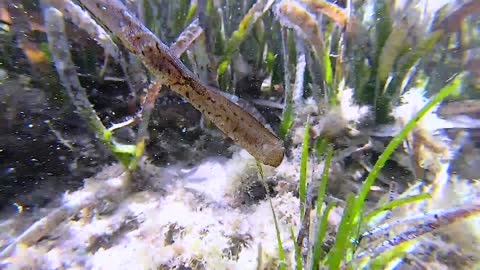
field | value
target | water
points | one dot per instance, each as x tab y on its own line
113	156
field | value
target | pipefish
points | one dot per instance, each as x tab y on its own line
236	123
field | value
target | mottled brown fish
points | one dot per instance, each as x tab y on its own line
236	123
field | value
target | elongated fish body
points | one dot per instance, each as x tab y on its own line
239	125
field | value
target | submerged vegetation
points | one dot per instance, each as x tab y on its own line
356	91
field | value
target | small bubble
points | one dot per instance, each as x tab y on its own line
30	126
